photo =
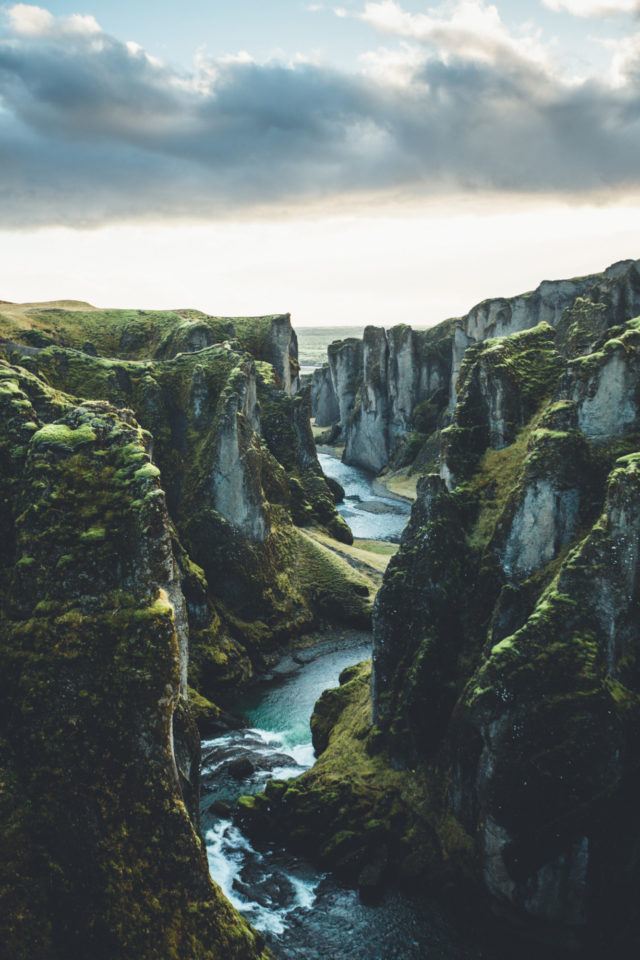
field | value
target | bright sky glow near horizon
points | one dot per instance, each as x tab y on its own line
353	162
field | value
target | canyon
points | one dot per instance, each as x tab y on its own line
168	535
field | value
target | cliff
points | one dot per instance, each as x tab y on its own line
100	851
240	471
391	391
497	747
151	558
151	334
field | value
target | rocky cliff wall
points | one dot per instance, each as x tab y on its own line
240	470
498	748
324	403
524	684
148	334
100	852
400	386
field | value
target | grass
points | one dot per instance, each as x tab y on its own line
368	557
336	588
401	483
383	547
493	481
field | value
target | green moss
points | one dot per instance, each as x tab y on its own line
493	483
94	534
148	472
522	369
353	811
335	589
94	818
60	434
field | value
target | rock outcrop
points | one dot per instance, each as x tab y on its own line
391	392
148	334
150	559
99	754
501	747
324	403
240	470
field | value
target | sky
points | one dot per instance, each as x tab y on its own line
353	162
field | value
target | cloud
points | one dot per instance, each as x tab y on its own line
469	29
95	130
593	8
30	21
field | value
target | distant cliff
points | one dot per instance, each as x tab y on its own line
390	391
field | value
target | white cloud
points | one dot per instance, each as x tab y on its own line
593	8
26	20
467	29
80	23
397	66
625	59
30	21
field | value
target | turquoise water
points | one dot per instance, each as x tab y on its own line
303	913
268	889
285	706
359	498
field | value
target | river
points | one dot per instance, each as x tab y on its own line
303	913
370	516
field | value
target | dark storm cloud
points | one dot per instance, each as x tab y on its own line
93	131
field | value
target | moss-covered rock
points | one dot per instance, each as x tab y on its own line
506	690
502	383
219	422
389	394
151	334
100	851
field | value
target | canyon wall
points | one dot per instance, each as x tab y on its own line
494	750
151	559
389	392
239	468
99	753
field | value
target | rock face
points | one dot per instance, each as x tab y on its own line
390	394
324	403
506	665
147	334
378	389
515	677
617	289
240	469
150	559
345	364
99	755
